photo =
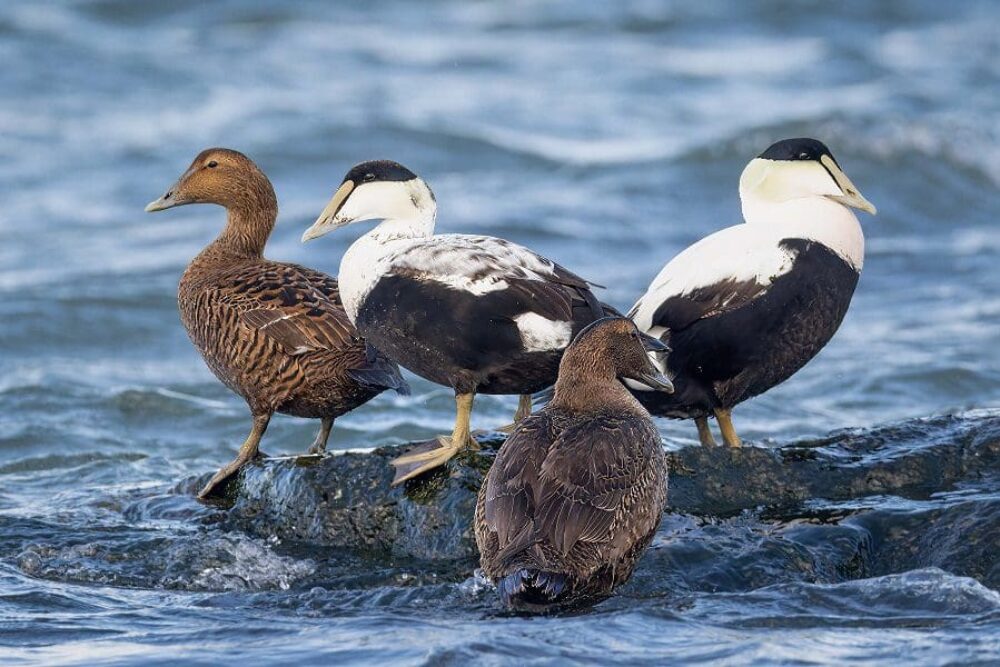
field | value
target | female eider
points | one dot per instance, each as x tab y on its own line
274	333
475	313
577	491
748	306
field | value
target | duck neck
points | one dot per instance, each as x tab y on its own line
416	220
591	386
252	209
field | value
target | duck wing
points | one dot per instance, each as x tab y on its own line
593	476
510	491
484	264
300	309
292	305
720	273
571	488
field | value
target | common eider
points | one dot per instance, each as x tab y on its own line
475	313
748	306
274	333
576	493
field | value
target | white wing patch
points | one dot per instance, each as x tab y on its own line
539	334
466	284
476	264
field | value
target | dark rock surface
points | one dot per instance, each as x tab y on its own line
911	458
345	500
857	503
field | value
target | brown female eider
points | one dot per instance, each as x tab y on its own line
274	333
576	493
748	306
475	313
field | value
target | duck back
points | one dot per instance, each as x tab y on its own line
570	505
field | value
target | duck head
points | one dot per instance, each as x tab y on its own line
218	176
615	346
794	169
376	190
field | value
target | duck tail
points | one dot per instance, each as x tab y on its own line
379	373
381	378
532	588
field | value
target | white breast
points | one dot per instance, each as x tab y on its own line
361	267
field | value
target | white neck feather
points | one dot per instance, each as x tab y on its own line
814	218
412	213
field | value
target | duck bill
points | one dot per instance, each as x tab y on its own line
171	198
655	380
651	376
328	220
850	196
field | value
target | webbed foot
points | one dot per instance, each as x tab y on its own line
427	456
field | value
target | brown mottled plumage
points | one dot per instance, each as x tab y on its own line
274	333
576	493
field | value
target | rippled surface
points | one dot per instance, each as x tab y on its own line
607	137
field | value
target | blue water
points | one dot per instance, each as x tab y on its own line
605	135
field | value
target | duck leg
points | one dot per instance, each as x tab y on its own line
523	410
247	452
421	459
319	444
704	432
523	407
725	419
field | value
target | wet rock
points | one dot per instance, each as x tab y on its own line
912	458
345	500
803	490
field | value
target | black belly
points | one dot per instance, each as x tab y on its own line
456	338
723	360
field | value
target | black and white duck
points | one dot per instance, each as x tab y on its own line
748	306
475	313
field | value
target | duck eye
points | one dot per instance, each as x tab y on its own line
369	177
212	165
803	156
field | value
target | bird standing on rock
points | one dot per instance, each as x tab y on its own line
275	333
474	313
577	491
748	306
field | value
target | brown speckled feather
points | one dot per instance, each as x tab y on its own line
295	306
277	334
274	333
573	495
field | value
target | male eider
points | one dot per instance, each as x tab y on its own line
748	306
274	333
475	313
577	491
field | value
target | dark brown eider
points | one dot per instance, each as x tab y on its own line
475	313
576	493
748	306
274	333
